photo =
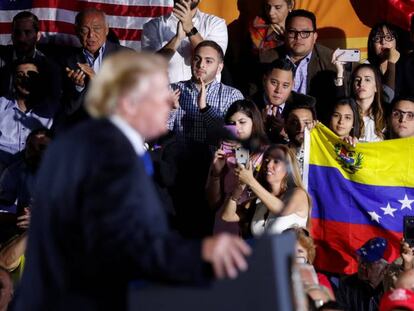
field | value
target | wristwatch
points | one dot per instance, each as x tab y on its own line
192	32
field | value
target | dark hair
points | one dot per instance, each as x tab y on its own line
263	12
301	13
299	101
280	63
30	60
356	126
376	109
378	29
24	15
292	176
407	97
81	15
250	109
213	45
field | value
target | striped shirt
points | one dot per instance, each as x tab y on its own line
188	122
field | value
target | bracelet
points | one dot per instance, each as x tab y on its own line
339	78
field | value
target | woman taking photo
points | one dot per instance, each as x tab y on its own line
280	200
246	122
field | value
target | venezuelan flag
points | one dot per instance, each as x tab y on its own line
357	193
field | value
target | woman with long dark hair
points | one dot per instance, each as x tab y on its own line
245	121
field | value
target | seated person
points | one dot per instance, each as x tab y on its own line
362	291
298	116
16	186
279	199
25	35
277	88
203	101
26	111
345	120
245	120
402	117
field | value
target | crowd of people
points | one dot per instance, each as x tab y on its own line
227	168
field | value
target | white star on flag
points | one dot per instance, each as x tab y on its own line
389	210
406	203
374	216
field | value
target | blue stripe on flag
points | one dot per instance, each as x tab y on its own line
339	199
16	4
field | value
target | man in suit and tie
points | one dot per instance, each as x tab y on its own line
80	68
97	222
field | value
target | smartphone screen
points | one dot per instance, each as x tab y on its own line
242	155
409	229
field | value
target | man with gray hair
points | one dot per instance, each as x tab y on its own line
97	216
92	30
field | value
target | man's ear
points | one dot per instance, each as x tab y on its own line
220	67
315	36
38	36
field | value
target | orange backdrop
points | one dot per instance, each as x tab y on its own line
338	23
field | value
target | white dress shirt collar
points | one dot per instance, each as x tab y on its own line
131	134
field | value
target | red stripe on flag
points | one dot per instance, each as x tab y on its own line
336	243
68	28
5	28
110	9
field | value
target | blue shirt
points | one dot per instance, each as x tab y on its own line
16	125
188	122
301	74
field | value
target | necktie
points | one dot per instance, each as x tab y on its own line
149	168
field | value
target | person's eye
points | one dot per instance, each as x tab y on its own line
410	115
348	118
286	86
278	7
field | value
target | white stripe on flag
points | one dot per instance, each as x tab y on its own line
166	3
50	14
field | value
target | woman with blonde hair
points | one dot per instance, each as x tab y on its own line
280	198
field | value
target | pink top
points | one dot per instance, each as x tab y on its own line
229	183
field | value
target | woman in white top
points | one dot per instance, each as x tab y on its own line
280	200
366	89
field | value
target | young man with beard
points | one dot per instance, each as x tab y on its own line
298	116
176	35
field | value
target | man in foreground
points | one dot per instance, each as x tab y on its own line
97	222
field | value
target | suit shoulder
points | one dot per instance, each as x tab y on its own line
323	51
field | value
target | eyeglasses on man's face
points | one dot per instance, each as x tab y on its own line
304	34
399	114
378	38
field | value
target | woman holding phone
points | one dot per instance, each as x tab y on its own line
280	200
244	119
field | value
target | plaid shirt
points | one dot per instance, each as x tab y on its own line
188	122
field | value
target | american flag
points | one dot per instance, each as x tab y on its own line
125	17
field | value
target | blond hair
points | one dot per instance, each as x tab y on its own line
120	73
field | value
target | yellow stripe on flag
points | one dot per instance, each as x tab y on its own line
387	163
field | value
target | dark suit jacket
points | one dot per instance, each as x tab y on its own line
72	100
321	75
97	223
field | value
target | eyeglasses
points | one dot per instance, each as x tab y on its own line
387	38
304	34
399	114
